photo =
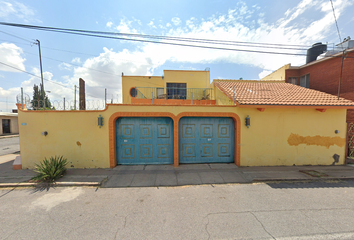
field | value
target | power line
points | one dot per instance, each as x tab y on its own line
16	36
146	36
34	75
179	44
83	33
335	19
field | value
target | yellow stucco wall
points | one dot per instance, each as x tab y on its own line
193	79
220	97
278	74
129	82
266	141
76	136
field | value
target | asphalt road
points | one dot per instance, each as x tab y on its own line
239	211
9	145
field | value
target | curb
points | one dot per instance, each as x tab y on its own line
8	136
57	184
301	180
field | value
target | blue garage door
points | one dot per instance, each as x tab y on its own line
144	140
206	140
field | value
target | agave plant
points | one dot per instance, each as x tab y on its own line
50	170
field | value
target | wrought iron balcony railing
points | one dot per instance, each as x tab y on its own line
195	94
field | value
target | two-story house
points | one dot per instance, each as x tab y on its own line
182	118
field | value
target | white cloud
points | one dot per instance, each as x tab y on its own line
168	24
234	25
176	21
264	73
11	54
76	60
14	9
105	70
64	66
56	91
151	24
125	26
109	24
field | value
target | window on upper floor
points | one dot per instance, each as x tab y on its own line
292	80
305	81
176	90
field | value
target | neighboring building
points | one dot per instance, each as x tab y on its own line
181	118
277	75
325	72
9	123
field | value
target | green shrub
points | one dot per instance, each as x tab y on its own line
50	170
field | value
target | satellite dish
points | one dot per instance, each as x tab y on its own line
26	99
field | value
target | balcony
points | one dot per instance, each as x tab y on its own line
173	96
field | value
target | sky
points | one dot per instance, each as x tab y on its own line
101	62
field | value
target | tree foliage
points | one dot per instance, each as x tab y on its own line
40	99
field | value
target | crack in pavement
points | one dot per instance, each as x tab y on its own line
125	222
254	215
206	227
304	213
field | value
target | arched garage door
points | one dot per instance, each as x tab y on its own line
144	140
206	140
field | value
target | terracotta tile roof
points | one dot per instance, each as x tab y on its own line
286	94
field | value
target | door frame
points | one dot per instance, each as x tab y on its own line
237	124
112	131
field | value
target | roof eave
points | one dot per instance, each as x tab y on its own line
295	106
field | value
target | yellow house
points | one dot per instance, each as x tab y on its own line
181	118
278	74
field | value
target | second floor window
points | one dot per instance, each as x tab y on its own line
176	90
293	80
305	81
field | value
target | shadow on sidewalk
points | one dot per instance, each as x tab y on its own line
321	183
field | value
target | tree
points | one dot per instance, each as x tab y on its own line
40	99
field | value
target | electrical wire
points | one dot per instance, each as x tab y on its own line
179	44
148	36
335	19
84	33
34	75
16	36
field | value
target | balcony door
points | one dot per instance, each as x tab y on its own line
176	90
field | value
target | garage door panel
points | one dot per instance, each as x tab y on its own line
206	149
224	130
163	130
144	140
145	131
127	151
145	150
127	131
188	150
188	130
206	140
206	130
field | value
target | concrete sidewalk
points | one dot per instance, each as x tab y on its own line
167	175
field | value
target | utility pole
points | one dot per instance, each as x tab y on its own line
40	62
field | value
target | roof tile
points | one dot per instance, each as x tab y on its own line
264	93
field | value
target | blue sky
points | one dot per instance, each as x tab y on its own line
100	62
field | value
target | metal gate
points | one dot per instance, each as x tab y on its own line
144	140
206	140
